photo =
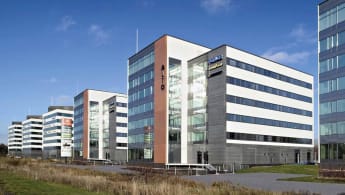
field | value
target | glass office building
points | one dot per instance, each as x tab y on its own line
331	33
100	125
189	104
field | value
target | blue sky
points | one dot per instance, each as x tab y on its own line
52	50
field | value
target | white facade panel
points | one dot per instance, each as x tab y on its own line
121	129
121	119
267	97
239	127
268	114
121	99
121	109
268	143
267	64
268	81
121	140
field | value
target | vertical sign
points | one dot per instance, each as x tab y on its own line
66	137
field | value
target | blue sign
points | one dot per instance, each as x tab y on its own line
215	59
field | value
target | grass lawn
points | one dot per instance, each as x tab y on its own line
311	170
14	184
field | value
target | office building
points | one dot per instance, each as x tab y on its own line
331	34
15	138
189	104
100	125
32	136
57	132
151	107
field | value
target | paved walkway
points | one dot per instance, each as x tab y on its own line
268	181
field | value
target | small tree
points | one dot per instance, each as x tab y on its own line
3	150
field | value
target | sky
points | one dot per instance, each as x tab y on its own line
52	50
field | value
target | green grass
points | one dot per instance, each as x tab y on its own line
315	179
290	169
311	170
14	184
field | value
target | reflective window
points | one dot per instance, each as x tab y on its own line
266	105
267	89
267	73
269	122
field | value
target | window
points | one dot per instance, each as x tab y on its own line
332	17
267	89
268	122
268	73
266	138
121	124
341	60
121	144
266	105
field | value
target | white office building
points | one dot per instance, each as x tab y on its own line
100	125
15	138
58	132
32	136
189	104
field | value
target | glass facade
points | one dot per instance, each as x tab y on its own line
106	127
197	103
140	105
78	125
332	85
93	129
332	17
174	98
332	81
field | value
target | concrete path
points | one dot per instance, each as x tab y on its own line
268	181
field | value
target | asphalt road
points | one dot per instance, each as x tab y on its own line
268	181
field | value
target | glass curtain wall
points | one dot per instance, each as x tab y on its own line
78	125
94	129
140	106
197	104
106	130
174	110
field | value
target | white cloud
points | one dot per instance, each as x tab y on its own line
296	51
300	33
65	23
52	80
63	100
287	58
100	35
214	6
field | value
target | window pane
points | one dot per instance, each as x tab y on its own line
323	45
341	15
324	87
341	83
341	60
341	38
323	66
